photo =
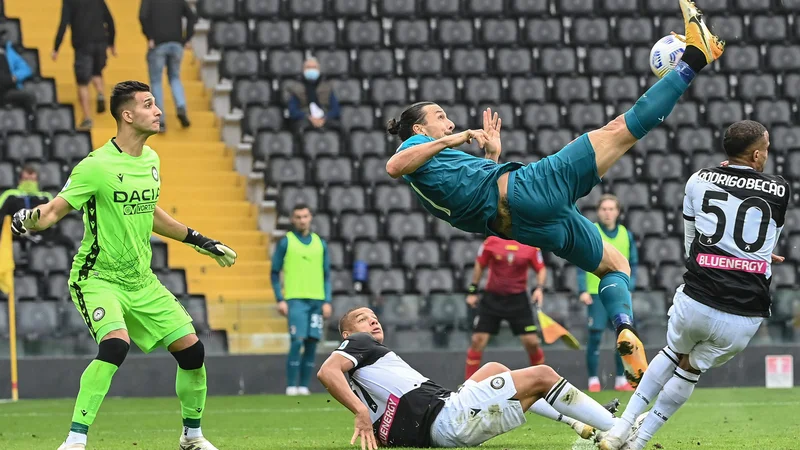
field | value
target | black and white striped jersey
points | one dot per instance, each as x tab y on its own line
402	402
738	215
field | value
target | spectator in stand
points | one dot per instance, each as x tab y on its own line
162	25
506	297
12	75
608	209
312	102
92	35
27	194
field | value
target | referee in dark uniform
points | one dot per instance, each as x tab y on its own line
92	35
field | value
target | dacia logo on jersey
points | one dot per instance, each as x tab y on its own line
138	202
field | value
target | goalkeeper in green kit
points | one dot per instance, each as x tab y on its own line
111	283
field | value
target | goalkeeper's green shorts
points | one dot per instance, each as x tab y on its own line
152	315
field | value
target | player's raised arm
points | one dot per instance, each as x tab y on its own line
165	225
407	161
40	218
492	125
331	375
689	231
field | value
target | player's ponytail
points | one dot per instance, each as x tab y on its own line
404	127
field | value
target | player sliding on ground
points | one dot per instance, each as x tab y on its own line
535	204
117	186
403	408
733	217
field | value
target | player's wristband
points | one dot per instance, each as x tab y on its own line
195	238
473	288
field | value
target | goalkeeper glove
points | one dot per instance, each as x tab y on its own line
224	255
23	220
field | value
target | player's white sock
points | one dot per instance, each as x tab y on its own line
192	433
658	373
570	401
675	393
75	438
542	408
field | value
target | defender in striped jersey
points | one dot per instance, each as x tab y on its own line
733	217
403	408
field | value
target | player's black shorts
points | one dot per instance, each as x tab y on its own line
514	308
89	62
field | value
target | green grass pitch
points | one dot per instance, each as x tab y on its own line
744	418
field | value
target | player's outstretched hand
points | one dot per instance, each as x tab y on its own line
222	254
466	137
777	259
492	125
23	220
363	429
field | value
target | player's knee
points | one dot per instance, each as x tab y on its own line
495	367
545	376
191	357
113	351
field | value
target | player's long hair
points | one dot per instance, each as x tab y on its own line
404	127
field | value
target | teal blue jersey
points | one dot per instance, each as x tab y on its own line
457	187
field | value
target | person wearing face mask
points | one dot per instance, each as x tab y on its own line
26	195
614	233
312	103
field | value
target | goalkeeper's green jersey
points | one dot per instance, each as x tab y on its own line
118	194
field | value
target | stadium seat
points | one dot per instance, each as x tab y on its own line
375	63
20	254
694	139
336	250
442	89
484	8
228	35
26	286
620	6
333	171
258	118
322	225
425	62
586	31
789	5
575	7
374	253
655	140
662	7
286	170
557	306
363	34
239	63
7	176
195	306
358	226
351	8
498	32
752	87
398	8
333	62
447	309
159	260
710	87
357	118
367	143
71	147
273	34
589	200
752	5
217	9
515	140
635	30
536	8
43	89
487	90
639	60
71	226
704	160
441	8
373	171
341	283
318	143
684	114
731	27
36	319
401	311
341	198
406	225
434	280
642	280
741	59
51	176
667	167
784	275
388	90
622	170
632	195
773	112
57	286
285	63
784	58
318	33
644	223
387	281
420	254
445	232
721	114
649	307
469	62
392	198
659	251
261	8
608	60
537	116
525	90
251	92
551	141
570	90
462	252
560	61
673	23
511	61
769	29
306	8
12	120
411	33
455	33
72	321
785	138
271	143
586	117
24	148
291	196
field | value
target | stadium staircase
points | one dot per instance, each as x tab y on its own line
200	186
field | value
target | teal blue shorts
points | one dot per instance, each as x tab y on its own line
305	319
542	196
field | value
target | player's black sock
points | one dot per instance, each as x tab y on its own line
626	326
694	58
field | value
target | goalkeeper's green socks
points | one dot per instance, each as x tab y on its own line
190	385
95	382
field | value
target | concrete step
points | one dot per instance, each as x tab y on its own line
171	195
237	240
193	208
216	225
241	268
229	282
216	161
258	343
239	295
182	255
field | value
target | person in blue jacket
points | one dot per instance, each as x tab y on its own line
12	75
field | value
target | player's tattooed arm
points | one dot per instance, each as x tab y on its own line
40	218
412	158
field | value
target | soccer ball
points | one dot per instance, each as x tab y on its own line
664	56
